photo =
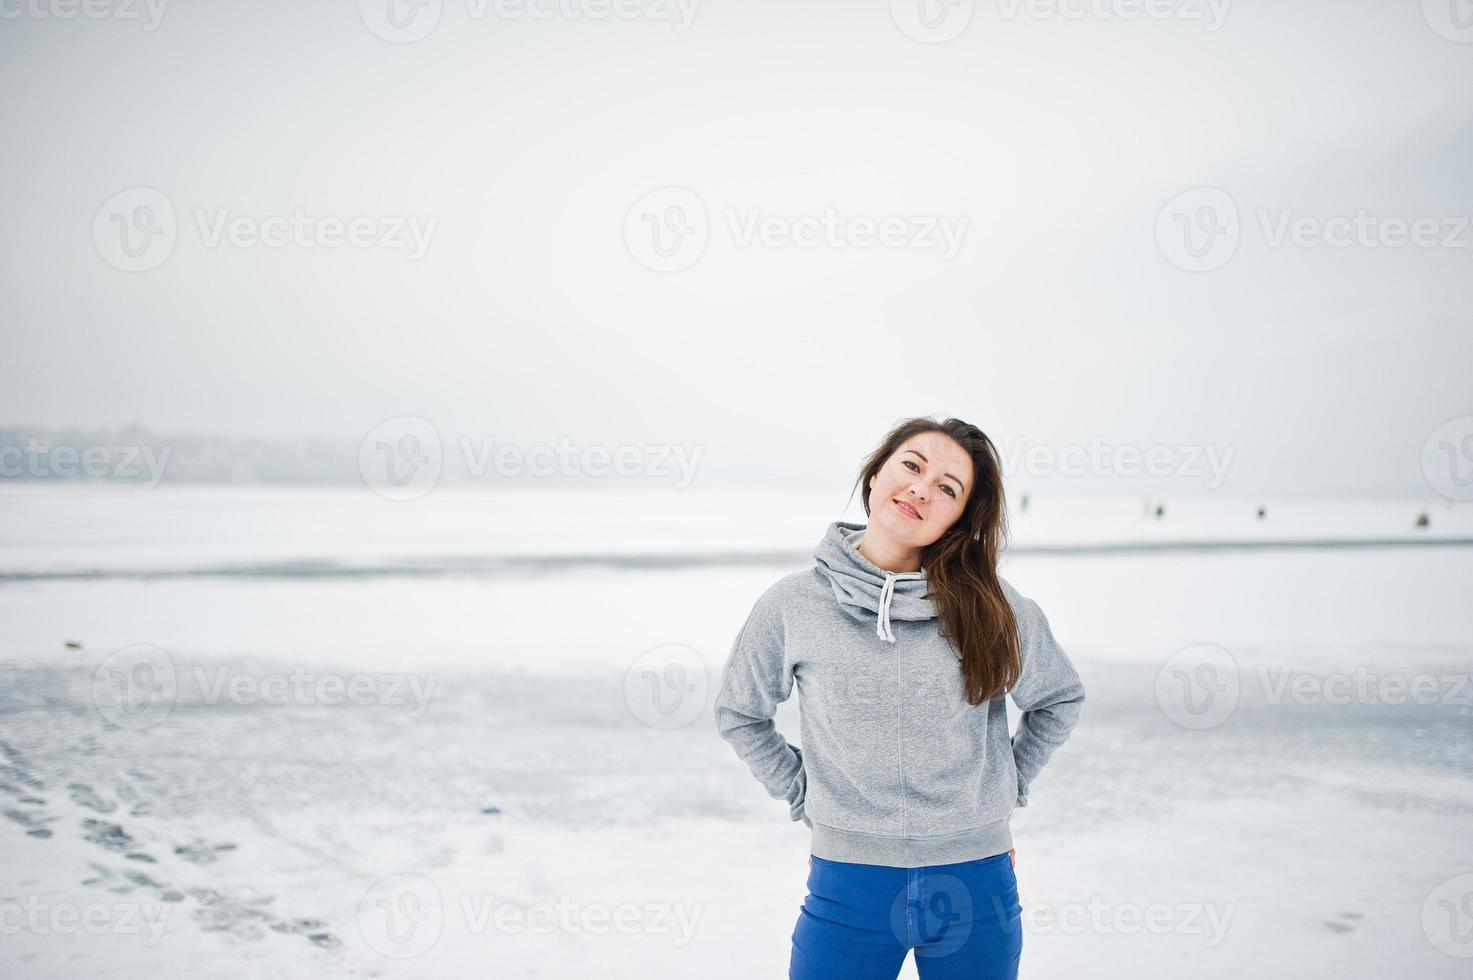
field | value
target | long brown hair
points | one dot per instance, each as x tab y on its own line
961	565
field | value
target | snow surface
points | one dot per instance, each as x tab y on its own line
1297	838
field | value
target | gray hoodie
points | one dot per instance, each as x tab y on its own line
896	768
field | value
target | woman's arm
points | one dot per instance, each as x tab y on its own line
1048	693
758	677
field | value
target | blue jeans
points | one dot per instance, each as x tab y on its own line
859	921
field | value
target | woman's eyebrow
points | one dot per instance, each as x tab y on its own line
922	455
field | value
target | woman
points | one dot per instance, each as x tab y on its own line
904	643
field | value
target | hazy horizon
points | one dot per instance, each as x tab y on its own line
1185	230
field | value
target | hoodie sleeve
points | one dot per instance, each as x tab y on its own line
759	676
1049	695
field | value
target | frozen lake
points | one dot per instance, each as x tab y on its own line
497	799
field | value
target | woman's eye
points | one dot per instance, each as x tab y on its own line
947	488
911	463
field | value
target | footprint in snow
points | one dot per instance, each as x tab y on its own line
84	795
1343	922
200	851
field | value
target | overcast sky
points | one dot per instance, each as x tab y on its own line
509	283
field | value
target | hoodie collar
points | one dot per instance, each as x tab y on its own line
862	588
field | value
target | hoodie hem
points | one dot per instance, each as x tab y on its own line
833	844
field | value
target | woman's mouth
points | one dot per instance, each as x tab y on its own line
908	510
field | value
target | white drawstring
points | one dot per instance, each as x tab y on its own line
882	628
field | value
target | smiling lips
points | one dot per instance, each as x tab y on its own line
908	510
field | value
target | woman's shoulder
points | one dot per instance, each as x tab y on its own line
798	584
772	611
1025	610
789	590
1011	592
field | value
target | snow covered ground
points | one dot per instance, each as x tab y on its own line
286	741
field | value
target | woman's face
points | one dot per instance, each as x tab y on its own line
921	489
